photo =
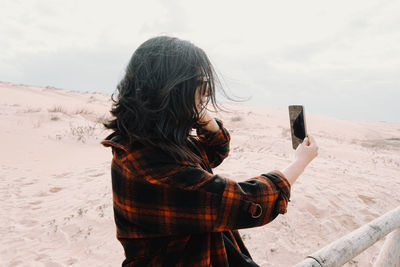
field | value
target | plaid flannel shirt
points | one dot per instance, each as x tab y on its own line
170	213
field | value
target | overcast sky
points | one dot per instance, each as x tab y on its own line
339	58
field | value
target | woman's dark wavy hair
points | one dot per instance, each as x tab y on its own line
156	98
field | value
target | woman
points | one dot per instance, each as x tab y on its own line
169	207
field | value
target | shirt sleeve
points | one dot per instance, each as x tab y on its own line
254	202
194	201
215	144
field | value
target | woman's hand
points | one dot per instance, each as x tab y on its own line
304	154
210	123
307	150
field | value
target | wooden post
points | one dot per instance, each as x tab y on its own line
390	252
344	249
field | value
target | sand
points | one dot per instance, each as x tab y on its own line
56	186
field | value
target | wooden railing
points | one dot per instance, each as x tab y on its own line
346	248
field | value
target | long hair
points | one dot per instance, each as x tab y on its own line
156	97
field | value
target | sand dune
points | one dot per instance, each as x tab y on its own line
56	190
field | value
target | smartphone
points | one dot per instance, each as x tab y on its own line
297	124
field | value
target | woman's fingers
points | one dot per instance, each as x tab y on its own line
312	141
306	141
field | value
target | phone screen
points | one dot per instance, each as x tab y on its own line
297	124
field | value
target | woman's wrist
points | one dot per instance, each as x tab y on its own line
294	170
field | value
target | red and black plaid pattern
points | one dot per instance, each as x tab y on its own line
170	213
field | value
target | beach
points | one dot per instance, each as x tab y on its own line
56	182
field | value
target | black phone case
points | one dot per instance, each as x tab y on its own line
297	124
